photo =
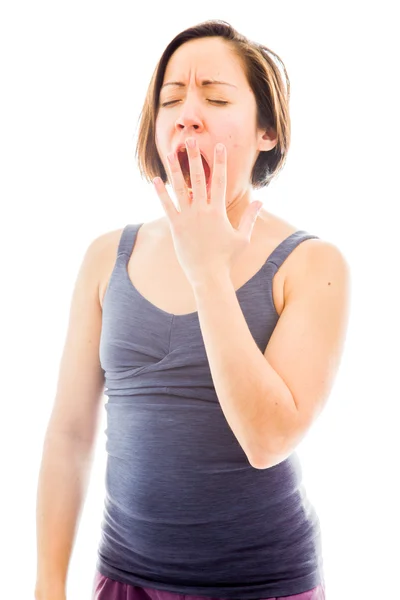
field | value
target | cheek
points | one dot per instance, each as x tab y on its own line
234	139
158	135
160	142
160	130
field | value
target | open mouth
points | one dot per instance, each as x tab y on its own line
184	163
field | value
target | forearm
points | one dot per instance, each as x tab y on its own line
256	402
62	485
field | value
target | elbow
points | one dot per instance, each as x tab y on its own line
258	465
259	461
285	442
259	457
269	458
269	462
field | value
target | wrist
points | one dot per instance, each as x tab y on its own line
211	280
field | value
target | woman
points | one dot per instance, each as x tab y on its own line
203	422
221	331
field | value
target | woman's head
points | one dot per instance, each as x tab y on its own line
250	116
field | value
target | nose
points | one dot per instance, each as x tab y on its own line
189	117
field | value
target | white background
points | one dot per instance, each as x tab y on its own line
73	79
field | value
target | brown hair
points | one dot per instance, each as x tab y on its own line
264	77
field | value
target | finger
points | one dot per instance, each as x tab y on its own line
248	220
177	180
197	175
162	193
218	183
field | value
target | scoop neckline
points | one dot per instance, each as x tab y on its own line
184	315
196	312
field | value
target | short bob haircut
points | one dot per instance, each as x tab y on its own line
264	77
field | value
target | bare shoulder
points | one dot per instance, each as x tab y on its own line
108	240
107	243
106	248
309	259
104	253
317	260
273	230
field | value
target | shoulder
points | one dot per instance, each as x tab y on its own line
98	248
103	250
105	246
106	241
321	255
99	258
314	260
318	262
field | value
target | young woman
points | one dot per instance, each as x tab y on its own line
218	331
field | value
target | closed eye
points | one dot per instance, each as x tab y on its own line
222	102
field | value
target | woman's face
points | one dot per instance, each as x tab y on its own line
211	112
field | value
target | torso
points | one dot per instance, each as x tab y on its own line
157	275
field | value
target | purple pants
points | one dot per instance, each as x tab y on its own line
105	588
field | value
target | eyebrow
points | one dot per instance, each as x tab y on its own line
203	83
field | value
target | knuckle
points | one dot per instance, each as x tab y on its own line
180	189
197	179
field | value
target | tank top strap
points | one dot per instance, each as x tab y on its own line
127	240
277	257
282	251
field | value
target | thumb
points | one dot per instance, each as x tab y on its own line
257	209
249	218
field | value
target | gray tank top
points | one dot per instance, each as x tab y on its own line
184	510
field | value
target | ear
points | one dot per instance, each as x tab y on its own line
267	140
